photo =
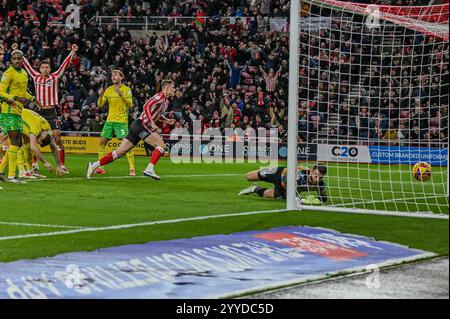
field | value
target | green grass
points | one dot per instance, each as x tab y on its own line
74	201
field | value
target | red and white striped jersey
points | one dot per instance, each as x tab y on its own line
154	109
47	88
271	83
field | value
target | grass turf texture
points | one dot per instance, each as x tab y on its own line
74	201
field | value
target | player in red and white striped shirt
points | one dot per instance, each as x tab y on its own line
46	87
144	128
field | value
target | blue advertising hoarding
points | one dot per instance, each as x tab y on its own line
408	155
201	267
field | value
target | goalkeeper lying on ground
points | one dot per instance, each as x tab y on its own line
307	180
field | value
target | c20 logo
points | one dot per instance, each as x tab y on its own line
345	151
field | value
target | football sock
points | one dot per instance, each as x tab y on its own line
4	163
101	151
27	157
130	157
110	157
20	160
62	157
12	158
156	155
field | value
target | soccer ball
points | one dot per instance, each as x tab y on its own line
422	171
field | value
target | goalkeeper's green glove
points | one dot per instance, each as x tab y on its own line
311	200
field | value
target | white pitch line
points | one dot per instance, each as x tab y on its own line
40	225
126	226
131	177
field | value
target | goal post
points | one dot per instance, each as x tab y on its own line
369	89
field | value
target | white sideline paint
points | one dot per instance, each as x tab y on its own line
116	227
40	225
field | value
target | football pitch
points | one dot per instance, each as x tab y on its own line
54	216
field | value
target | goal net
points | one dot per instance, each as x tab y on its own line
373	101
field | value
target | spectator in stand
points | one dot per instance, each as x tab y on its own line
4	8
261	103
258	123
391	134
96	124
271	79
215	121
227	112
44	12
363	124
282	134
235	73
67	123
237	115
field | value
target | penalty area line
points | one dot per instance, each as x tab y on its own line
127	226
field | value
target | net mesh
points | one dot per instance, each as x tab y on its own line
374	102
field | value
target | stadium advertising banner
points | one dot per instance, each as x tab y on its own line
382	154
89	145
201	267
189	148
305	152
319	152
408	155
343	153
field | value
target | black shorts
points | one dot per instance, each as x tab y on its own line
273	175
137	132
52	118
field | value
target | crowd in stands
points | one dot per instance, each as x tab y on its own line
379	88
237	76
229	78
211	8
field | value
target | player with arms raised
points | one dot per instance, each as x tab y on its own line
145	128
120	100
46	87
307	180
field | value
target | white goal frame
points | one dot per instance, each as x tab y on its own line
293	201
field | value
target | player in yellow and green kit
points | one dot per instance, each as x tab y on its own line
36	133
120	100
14	97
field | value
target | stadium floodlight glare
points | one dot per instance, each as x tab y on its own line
368	91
